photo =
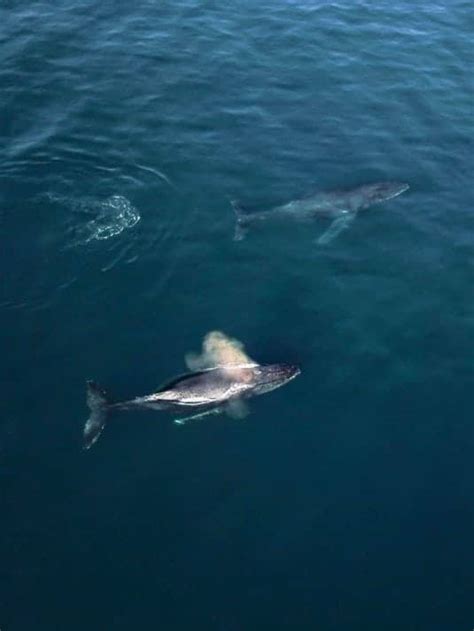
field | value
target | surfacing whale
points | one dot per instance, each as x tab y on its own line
223	378
341	206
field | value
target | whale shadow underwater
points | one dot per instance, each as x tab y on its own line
340	206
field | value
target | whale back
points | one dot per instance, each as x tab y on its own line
208	386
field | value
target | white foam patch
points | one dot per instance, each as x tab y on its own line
114	215
93	220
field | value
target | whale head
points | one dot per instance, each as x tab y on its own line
269	377
381	192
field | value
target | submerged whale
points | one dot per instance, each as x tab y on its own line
225	378
341	206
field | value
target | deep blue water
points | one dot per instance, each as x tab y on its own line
346	499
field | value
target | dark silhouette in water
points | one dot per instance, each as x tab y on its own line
342	206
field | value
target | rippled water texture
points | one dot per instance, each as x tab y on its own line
102	219
345	499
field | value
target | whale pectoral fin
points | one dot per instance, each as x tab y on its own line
337	226
194	417
237	409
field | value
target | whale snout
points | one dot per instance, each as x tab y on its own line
289	371
399	187
388	190
275	375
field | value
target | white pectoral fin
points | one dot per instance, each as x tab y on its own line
236	409
337	226
194	417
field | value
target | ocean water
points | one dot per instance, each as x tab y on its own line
346	499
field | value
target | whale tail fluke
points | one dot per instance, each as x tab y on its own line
98	403
240	221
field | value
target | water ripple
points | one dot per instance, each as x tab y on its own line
109	217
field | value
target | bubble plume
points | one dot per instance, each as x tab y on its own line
218	350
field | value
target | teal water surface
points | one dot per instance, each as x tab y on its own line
345	500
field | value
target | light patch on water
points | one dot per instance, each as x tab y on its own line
218	350
103	219
114	215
